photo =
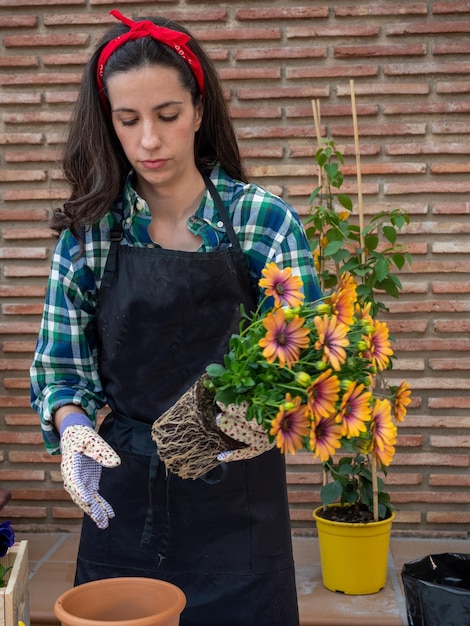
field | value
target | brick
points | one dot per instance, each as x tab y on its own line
41	78
346	52
18	61
363	10
453	87
20	138
65	59
438	8
446	480
411	69
30	3
315	32
19	474
450	402
18	21
252	73
435	517
22	309
396	149
337	71
21	156
25	271
282	13
23	214
378	89
34	41
22	175
257	54
257	93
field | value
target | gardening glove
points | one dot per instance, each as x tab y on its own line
233	423
84	453
187	437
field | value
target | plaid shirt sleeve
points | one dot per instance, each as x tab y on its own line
269	230
64	368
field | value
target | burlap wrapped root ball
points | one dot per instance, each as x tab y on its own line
187	437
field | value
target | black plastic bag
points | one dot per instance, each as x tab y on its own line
437	590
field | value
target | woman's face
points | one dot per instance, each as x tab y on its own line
155	121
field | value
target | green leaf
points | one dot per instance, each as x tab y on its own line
314	194
399	260
215	370
345	201
390	233
333	247
371	242
330	492
381	269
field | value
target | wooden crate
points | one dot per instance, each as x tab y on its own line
14	598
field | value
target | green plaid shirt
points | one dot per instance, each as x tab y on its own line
65	365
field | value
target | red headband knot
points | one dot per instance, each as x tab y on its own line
172	38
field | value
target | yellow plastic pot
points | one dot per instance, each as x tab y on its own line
121	602
353	556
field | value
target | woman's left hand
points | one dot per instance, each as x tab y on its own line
233	423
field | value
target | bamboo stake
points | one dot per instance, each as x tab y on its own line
316	119
358	169
375	489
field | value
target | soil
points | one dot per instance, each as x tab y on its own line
350	514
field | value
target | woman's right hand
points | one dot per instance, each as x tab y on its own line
84	454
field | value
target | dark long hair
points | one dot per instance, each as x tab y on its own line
94	162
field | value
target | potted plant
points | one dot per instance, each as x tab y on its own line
14	572
311	375
370	253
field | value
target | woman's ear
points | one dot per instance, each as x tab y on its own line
199	112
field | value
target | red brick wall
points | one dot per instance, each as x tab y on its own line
411	65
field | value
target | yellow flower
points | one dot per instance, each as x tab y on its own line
402	400
355	411
342	303
325	437
378	346
384	432
283	340
323	394
332	340
282	286
290	425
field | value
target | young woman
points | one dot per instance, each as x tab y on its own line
160	242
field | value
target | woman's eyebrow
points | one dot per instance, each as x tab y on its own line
124	109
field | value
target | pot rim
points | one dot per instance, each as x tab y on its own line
63	615
384	522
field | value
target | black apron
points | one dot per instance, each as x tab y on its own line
163	315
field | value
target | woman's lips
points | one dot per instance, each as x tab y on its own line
154	164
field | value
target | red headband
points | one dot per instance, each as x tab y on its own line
145	28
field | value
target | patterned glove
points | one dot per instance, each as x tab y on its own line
84	453
232	422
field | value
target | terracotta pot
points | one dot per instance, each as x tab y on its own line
121	602
353	556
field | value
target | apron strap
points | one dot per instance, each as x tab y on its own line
116	235
244	275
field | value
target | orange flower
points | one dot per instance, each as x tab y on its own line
283	340
323	394
402	400
282	286
290	425
342	304
325	437
378	345
332	340
354	411
384	432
